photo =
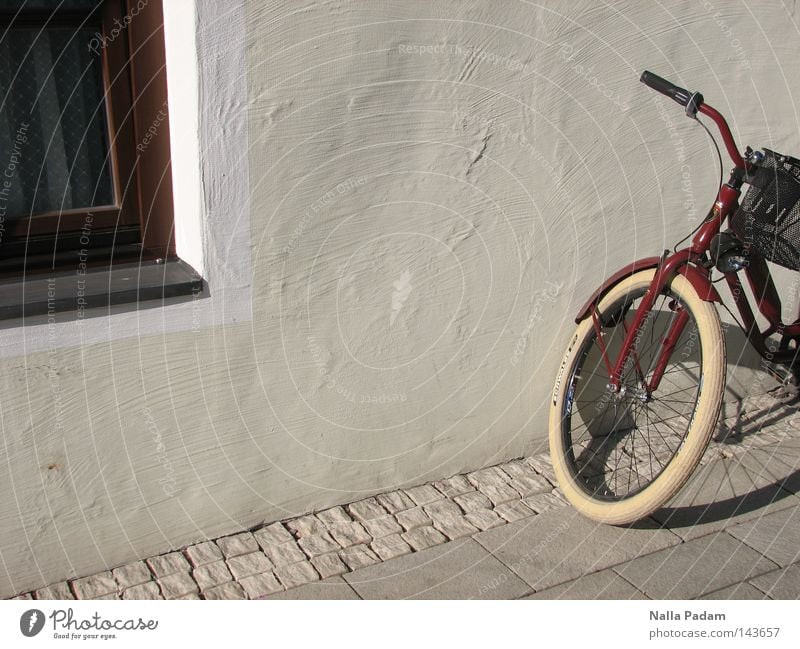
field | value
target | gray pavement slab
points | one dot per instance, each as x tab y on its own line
776	536
742	590
780	584
695	568
459	570
561	545
605	584
723	493
333	588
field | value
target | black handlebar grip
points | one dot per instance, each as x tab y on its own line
666	88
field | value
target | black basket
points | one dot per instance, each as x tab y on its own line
768	218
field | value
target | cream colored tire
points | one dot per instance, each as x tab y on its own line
700	428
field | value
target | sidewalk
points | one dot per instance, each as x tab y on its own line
505	532
744	546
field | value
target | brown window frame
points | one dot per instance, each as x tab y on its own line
140	225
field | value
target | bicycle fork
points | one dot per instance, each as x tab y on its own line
665	272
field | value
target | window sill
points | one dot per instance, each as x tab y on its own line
121	284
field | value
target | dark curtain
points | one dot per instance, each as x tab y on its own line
53	129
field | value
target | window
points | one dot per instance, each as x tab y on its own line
86	180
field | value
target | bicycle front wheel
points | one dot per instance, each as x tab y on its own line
619	456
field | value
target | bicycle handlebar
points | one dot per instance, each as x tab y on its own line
666	88
694	103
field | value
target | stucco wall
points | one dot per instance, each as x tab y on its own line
404	204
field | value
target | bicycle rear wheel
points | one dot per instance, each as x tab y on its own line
620	456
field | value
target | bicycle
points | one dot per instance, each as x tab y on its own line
639	390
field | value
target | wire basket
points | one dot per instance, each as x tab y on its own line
768	218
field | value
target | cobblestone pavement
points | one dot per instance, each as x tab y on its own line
505	531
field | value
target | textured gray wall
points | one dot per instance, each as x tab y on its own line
435	188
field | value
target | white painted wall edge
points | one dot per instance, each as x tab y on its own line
180	29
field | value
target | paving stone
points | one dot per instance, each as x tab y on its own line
177	584
358	556
249	564
442	510
424	494
742	590
412	518
351	533
776	536
455	528
203	553
284	554
780	584
366	510
379	527
296	574
390	547
260	585
484	519
518	469
395	501
605	584
108	596
454	486
61	590
528	486
212	574
473	501
333	516
329	565
132	574
542	464
499	494
422	538
237	544
167	564
317	544
721	494
545	502
230	590
149	590
24	596
766	438
275	534
489	476
333	588
93	587
561	545
514	511
306	526
696	567
458	570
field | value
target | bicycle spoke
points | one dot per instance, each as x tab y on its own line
622	441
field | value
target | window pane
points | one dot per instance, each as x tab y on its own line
53	128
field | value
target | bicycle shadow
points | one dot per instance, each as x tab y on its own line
735	508
757	479
752	479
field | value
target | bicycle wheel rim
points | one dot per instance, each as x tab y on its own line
584	454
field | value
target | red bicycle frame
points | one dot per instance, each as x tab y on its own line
693	263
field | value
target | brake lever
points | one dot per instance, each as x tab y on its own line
693	105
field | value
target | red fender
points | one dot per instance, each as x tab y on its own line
698	277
